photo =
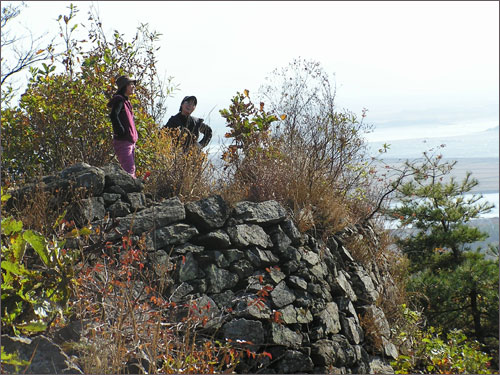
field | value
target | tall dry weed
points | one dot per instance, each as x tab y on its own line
173	171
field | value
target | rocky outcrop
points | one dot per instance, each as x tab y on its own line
316	294
43	355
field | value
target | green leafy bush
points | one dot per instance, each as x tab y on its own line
62	117
37	278
430	351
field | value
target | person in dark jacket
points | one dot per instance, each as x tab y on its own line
190	127
124	130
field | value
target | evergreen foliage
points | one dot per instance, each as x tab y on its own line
455	287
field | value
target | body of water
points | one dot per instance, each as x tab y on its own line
491	198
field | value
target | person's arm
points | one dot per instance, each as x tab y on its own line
207	133
118	127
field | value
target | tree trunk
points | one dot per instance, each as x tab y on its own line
476	314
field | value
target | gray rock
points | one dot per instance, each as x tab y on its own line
280	240
247	330
119	208
206	308
282	335
87	210
180	292
346	255
335	352
220	259
245	235
304	315
115	189
243	268
290	253
225	299
288	314
310	257
232	255
253	258
343	286
168	212
162	265
220	279
319	270
390	349
253	308
171	235
257	281
324	353
209	213
361	354
188	248
200	285
262	257
346	306
137	201
82	175
315	289
329	318
294	362
377	316
110	198
297	282
218	239
363	285
304	299
379	366
291	231
281	295
264	213
276	275
351	330
188	268
290	267
116	175
45	357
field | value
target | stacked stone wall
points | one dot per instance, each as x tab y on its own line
225	257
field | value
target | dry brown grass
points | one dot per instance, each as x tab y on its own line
393	268
40	209
174	172
371	331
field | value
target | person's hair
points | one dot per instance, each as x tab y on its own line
121	91
188	99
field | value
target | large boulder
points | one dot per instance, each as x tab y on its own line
263	213
45	356
209	213
245	330
116	176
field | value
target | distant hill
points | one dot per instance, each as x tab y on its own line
488	225
484	144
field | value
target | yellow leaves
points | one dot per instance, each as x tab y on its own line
283	117
246	92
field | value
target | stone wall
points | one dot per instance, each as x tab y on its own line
226	256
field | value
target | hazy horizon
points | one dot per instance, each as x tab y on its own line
442	77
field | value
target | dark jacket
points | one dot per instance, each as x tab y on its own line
192	126
122	118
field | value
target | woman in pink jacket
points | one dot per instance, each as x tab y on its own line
122	118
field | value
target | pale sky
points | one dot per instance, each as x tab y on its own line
420	68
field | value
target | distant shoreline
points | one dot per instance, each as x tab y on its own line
485	170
